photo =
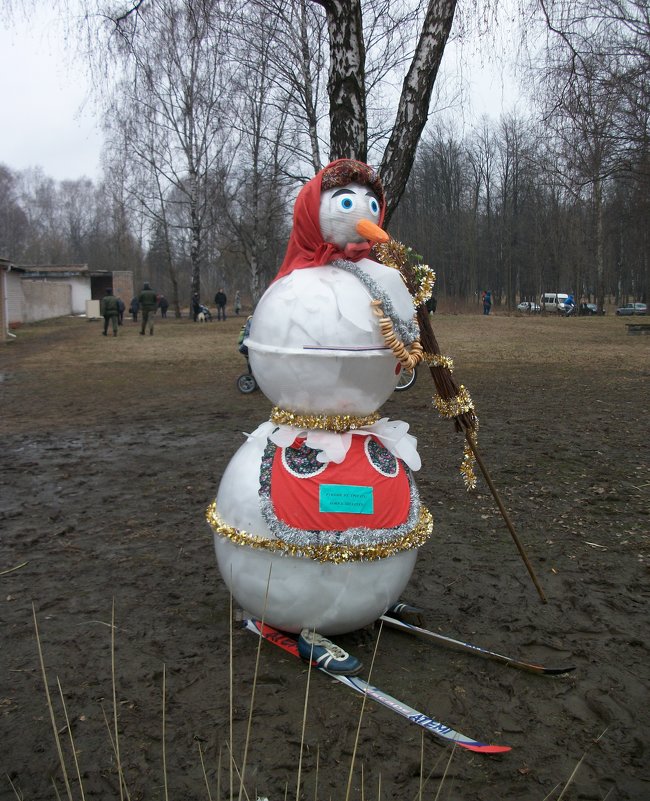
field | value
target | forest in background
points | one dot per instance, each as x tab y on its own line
220	112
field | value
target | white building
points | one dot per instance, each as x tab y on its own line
29	293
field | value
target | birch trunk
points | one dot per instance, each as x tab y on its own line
413	108
346	83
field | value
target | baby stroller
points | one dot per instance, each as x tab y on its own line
406	379
204	314
246	382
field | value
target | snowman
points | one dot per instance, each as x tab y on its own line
317	520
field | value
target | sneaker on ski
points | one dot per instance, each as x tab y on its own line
326	654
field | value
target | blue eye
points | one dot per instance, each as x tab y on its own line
346	203
374	206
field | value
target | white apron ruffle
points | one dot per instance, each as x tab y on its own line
334	447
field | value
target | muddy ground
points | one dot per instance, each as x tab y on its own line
113	448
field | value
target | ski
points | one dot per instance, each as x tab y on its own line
289	643
425	634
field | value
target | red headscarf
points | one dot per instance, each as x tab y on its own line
306	247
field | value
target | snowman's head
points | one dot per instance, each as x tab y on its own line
350	192
341	210
328	225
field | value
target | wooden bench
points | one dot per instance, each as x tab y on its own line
638	328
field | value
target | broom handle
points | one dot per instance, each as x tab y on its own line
504	513
464	422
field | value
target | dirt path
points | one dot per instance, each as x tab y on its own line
112	449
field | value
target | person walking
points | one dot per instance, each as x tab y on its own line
220	300
148	304
110	311
237	302
196	306
134	308
487	302
121	307
163	305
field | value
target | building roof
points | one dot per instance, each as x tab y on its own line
7	264
55	269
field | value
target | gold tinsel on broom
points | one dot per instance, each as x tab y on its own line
451	401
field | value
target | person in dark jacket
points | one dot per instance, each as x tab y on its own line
220	300
110	311
487	302
134	308
196	306
120	308
163	305
148	303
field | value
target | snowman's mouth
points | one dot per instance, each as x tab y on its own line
320	350
345	348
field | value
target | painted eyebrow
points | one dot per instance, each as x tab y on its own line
344	191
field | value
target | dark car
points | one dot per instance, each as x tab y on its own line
587	309
633	308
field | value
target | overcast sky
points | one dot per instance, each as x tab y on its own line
46	119
49	122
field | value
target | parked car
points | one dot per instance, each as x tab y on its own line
587	309
551	301
527	306
633	308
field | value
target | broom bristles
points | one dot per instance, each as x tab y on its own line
443	379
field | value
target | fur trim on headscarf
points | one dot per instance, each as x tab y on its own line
348	171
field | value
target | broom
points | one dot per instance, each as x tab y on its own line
451	400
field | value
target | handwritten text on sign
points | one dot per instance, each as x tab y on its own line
346	498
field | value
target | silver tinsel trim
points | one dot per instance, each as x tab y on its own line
408	331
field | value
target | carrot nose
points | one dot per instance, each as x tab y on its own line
373	233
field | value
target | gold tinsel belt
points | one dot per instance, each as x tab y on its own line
330	551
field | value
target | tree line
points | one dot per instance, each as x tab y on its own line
490	210
214	113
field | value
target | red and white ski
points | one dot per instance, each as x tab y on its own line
289	643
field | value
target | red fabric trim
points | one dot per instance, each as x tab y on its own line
296	500
306	247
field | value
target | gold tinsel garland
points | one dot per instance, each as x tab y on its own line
438	360
326	553
395	254
454	407
468	464
340	423
427	283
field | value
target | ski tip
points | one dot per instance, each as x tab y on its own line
559	671
483	748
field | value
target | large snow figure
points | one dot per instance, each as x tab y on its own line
317	519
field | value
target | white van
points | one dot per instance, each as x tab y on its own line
551	301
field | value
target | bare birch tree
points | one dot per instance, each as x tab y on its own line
176	94
347	89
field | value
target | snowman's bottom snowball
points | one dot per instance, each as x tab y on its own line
304	593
